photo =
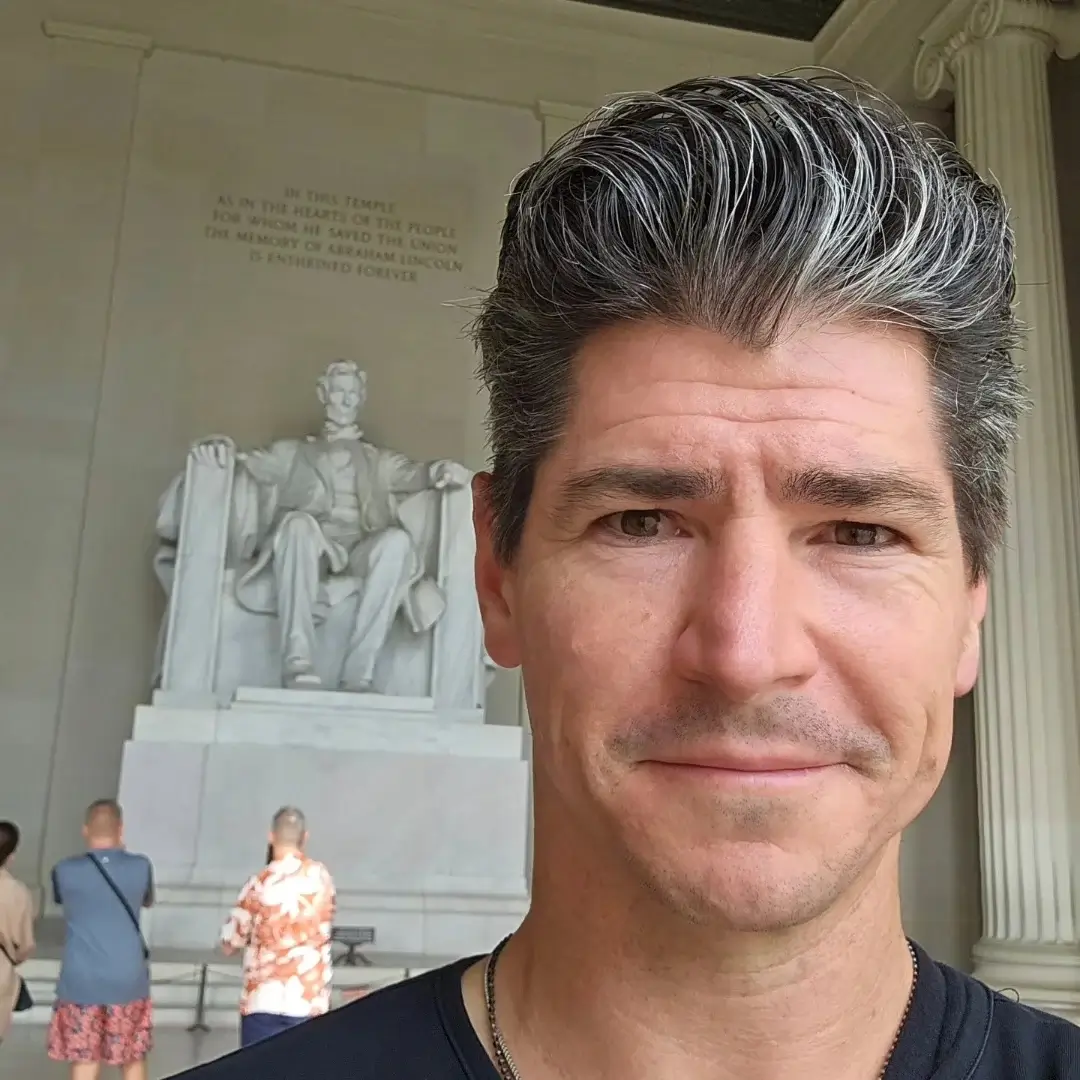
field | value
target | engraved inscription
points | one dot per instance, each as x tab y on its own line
332	232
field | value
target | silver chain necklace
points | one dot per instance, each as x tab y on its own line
508	1070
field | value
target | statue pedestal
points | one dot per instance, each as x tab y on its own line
421	817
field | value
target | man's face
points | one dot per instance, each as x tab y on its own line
343	396
742	614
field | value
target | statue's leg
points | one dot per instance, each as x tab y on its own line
298	549
386	574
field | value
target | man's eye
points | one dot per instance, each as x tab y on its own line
857	534
638	524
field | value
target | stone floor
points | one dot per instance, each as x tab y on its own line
22	1055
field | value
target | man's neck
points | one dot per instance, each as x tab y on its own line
333	432
287	852
104	843
632	994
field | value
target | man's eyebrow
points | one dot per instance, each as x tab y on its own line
650	485
882	490
867	489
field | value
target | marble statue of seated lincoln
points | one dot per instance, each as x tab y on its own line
315	520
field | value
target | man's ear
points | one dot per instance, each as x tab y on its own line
967	667
494	581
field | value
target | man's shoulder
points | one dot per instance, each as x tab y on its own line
1047	1047
318	870
985	1034
398	1032
133	865
69	863
257	881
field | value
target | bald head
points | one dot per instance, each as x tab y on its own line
104	823
289	828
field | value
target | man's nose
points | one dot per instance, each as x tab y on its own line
748	629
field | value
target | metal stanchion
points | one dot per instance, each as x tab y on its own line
200	1002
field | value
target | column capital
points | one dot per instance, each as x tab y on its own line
965	24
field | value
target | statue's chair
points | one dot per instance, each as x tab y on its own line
211	646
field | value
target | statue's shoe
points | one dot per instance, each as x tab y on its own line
300	675
357	686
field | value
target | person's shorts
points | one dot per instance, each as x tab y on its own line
254	1027
110	1034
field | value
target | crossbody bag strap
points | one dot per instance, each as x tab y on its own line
123	900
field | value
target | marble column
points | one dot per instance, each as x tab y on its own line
992	55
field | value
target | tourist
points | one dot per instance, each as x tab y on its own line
752	401
282	921
16	929
102	1014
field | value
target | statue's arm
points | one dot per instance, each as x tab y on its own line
408	477
411	477
257	487
268	466
245	516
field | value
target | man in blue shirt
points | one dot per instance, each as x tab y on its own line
102	1014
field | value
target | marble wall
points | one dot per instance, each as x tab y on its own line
64	141
138	141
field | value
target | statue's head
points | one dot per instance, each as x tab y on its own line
342	389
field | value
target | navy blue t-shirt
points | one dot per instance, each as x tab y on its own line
957	1029
103	960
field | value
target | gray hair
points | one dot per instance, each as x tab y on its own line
748	206
289	826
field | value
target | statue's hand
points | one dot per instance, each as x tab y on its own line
449	474
214	451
